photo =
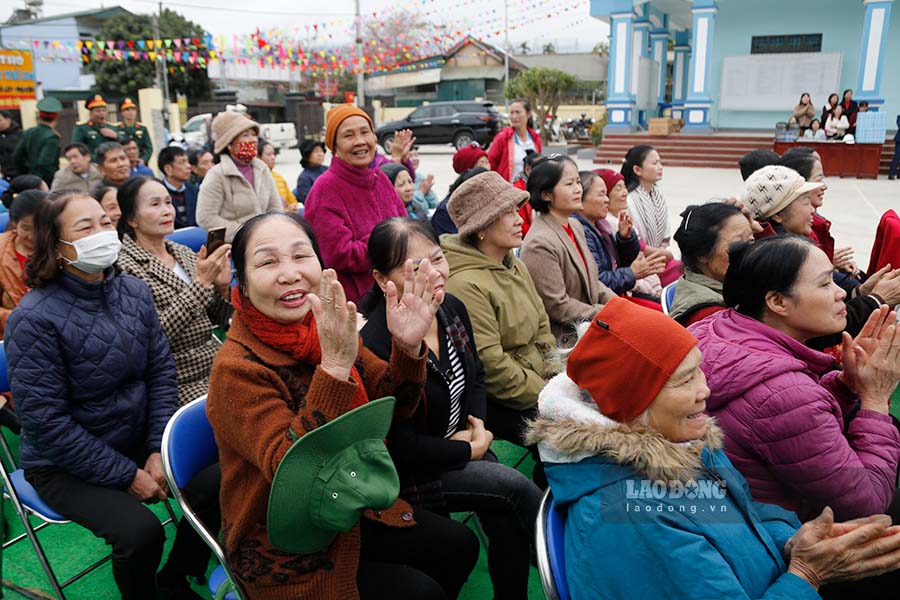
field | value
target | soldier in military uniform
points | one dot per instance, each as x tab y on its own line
37	152
96	130
130	127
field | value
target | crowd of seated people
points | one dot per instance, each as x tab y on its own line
766	385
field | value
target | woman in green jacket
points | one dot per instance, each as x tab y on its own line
511	327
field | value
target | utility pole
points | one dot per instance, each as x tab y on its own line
506	49
165	67
360	82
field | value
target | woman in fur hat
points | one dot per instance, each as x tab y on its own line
654	507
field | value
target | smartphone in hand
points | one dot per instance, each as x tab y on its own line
214	239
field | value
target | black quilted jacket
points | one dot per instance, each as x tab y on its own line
92	376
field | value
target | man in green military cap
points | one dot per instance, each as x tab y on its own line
130	128
38	150
95	130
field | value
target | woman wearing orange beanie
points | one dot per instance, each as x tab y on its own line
349	199
654	508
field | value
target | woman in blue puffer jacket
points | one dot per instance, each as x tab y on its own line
95	385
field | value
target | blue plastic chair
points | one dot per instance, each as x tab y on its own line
4	220
668	297
188	447
192	237
27	502
550	530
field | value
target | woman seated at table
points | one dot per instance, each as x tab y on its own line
837	124
815	133
442	452
791	422
638	467
293	361
190	291
95	384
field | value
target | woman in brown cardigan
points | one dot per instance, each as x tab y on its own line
293	361
555	251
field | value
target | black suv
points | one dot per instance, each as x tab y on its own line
457	123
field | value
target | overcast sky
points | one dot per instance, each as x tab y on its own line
539	21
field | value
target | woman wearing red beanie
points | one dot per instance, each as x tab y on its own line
654	508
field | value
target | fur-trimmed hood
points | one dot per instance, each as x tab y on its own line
570	429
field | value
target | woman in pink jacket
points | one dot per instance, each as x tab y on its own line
803	435
350	199
511	145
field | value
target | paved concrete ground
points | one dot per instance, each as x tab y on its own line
854	206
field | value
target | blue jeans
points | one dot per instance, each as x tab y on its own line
506	503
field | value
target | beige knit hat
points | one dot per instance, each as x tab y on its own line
481	200
229	124
771	189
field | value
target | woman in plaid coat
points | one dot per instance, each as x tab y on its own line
190	290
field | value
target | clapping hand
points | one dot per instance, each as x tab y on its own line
409	316
426	184
402	145
336	324
823	551
843	260
626	225
872	360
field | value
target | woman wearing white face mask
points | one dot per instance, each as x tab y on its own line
95	384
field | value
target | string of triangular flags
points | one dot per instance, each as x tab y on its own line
291	49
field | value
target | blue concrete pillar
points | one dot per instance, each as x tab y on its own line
659	42
680	69
698	103
871	59
620	99
640	48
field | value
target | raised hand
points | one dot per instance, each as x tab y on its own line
871	361
626	225
409	317
426	184
336	323
402	144
843	259
214	269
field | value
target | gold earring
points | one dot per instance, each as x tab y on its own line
481	237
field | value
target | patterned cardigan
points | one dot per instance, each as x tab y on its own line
187	312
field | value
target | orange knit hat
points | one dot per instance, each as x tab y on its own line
626	356
338	115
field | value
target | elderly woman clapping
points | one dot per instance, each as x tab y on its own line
654	507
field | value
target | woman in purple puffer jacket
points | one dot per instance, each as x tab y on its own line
804	436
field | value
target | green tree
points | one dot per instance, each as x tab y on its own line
523	48
549	48
125	78
544	89
601	48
